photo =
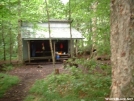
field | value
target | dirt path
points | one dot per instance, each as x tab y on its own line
28	75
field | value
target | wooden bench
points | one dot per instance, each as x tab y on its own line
63	57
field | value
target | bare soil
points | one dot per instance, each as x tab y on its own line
28	74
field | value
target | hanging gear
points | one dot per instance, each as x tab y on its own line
61	45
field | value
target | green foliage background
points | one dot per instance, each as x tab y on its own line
82	14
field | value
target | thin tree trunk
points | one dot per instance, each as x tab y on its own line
122	48
71	40
50	39
3	41
94	22
20	60
94	28
10	53
10	34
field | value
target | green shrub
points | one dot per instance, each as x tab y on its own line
7	81
7	67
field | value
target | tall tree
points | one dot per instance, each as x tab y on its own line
10	34
71	40
50	39
122	48
19	33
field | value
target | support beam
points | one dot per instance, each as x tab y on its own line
28	44
54	49
76	47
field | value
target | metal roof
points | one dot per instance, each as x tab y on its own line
57	31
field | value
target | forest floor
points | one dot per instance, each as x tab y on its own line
28	74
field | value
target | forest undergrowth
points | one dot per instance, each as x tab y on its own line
89	82
6	82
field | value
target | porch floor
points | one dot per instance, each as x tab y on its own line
36	58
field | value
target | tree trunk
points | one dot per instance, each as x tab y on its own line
20	60
4	46
50	39
94	29
10	51
122	48
3	40
10	34
71	40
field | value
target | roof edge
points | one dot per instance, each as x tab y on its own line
51	21
60	20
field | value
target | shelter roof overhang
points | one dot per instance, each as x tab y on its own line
58	30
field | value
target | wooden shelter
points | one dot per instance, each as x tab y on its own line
35	39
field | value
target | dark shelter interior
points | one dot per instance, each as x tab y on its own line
41	48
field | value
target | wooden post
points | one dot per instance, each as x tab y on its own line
54	50
28	44
57	71
76	47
